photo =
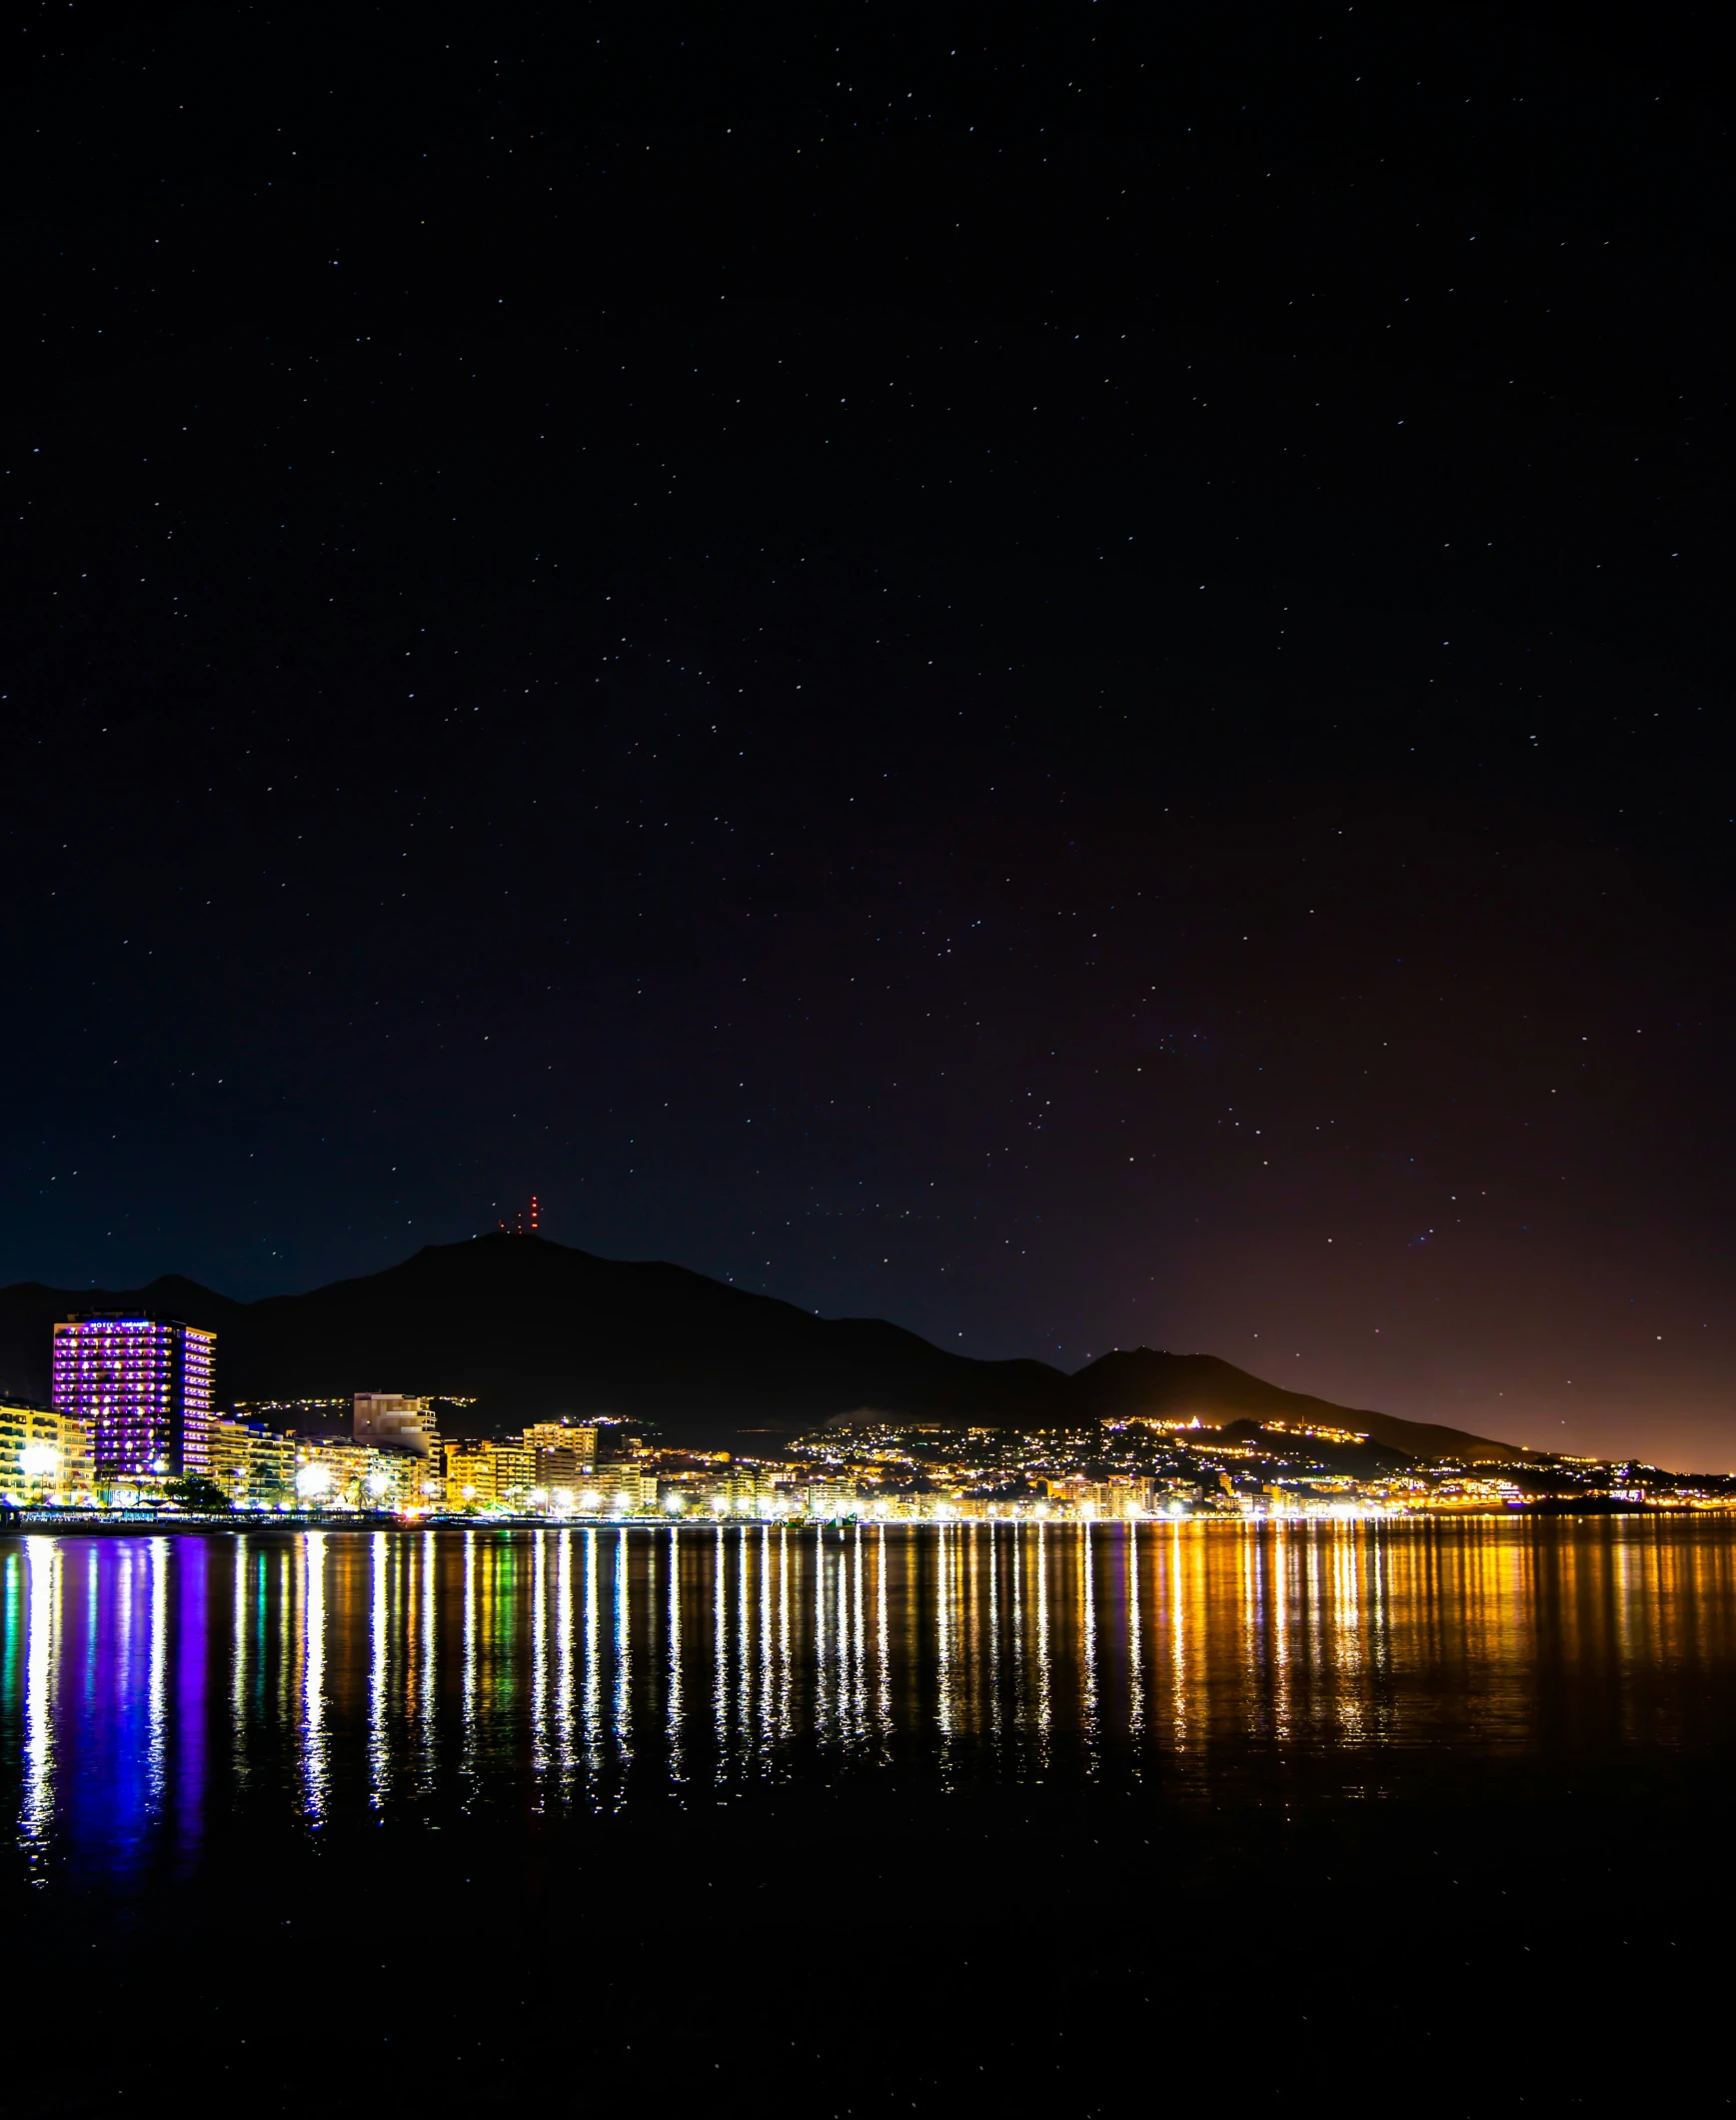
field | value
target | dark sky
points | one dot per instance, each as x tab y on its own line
1060	672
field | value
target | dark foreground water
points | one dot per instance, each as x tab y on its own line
1437	1814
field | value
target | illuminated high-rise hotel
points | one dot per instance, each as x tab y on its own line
144	1385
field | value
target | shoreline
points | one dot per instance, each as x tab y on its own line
124	1523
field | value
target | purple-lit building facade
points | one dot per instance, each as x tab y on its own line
144	1385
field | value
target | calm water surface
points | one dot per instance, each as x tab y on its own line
153	1686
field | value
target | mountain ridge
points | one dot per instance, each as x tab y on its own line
531	1328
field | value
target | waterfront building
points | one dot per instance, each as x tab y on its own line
230	1460
143	1387
741	1492
470	1472
565	1455
399	1481
254	1466
271	1465
515	1471
388	1421
353	1476
625	1490
44	1455
407	1430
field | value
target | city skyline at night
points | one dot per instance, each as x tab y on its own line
865	1165
1061	683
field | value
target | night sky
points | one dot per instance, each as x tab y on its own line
1057	671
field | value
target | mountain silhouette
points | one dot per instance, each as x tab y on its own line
530	1328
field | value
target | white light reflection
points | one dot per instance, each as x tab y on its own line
539	1658
1016	1557
36	1817
1349	1640
943	1628
1135	1634
378	1626
426	1674
593	1713
314	1759
882	1641
623	1648
970	1630
564	1650
1043	1687
470	1670
839	1601
290	1561
719	1649
995	1630
765	1675
785	1718
744	1661
673	1622
859	1648
822	1675
1088	1644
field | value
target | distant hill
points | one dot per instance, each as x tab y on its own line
1142	1380
532	1329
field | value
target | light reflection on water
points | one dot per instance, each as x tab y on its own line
147	1683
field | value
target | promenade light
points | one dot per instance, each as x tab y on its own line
313	1480
38	1460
